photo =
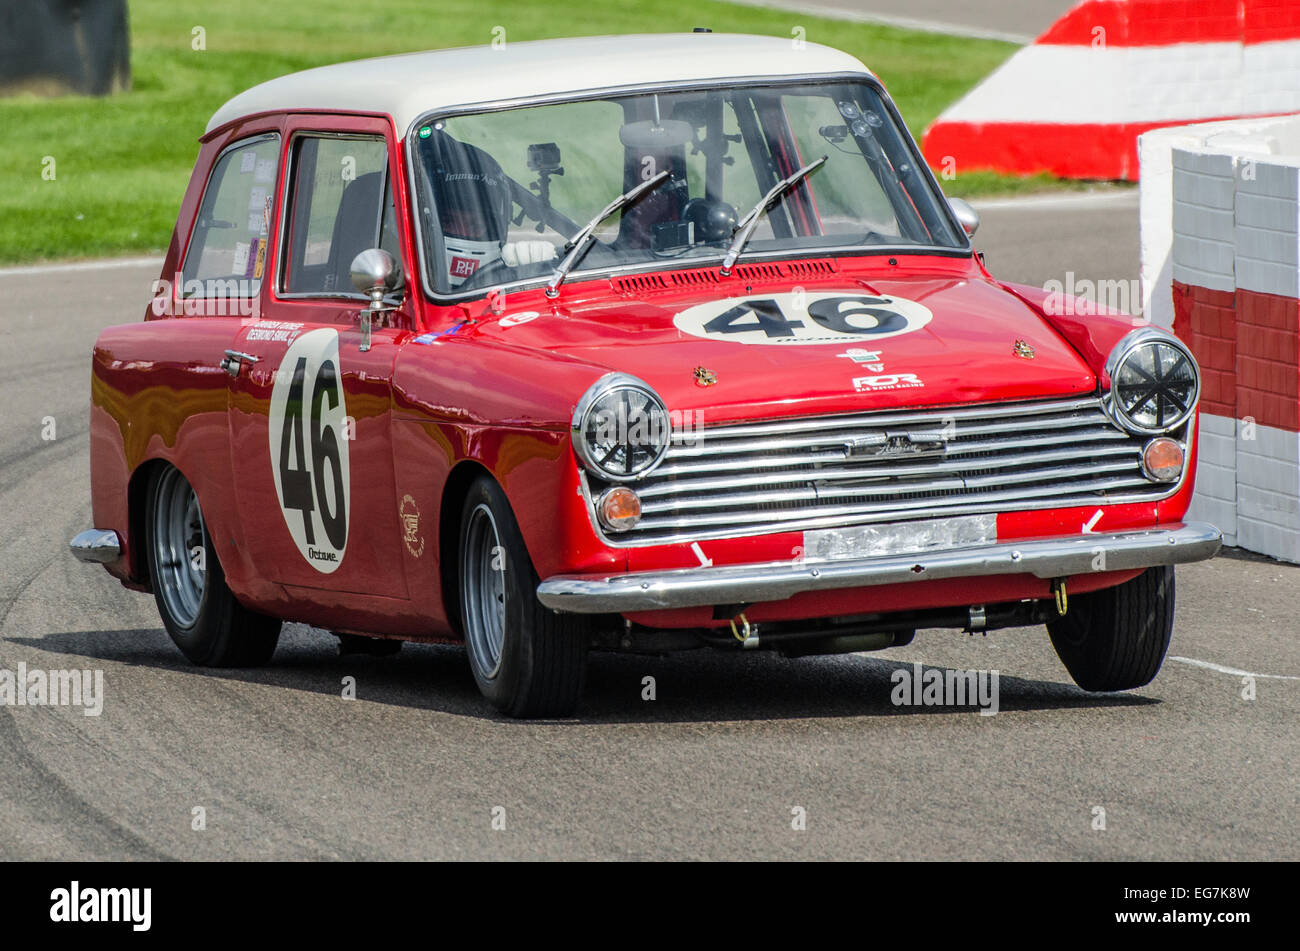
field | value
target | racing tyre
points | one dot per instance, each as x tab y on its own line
528	660
1116	638
199	611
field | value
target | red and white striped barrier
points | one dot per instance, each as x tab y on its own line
1220	224
1074	102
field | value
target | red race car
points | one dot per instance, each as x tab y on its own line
627	343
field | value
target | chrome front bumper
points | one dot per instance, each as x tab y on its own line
775	581
97	546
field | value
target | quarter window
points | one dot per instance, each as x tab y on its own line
227	253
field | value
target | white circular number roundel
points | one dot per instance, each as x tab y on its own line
834	317
309	448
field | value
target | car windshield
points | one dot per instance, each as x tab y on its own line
501	194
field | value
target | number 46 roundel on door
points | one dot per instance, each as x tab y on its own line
309	454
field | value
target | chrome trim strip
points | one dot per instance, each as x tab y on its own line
1101	429
1055	557
906	417
879	471
96	546
789	520
754	526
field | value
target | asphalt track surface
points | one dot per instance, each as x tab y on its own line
414	767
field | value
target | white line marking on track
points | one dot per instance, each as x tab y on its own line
1219	668
1124	196
884	19
106	265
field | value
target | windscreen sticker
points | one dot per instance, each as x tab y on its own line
259	263
309	448
802	318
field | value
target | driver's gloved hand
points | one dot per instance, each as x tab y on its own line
516	253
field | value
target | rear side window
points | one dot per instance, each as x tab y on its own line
227	252
341	205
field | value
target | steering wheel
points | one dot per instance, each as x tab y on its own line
496	269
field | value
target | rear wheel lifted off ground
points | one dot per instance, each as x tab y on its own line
198	609
528	660
1116	638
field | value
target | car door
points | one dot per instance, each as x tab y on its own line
310	406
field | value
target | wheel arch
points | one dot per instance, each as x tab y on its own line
137	502
454	490
137	495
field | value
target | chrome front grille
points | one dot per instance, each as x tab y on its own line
791	475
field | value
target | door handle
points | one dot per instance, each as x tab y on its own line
234	360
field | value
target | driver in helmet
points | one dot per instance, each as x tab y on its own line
473	200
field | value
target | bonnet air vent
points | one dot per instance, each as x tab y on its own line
758	272
648	283
816	268
639	284
635	284
690	278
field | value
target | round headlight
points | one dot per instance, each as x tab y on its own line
1154	382
621	428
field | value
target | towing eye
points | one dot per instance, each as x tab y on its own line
1061	595
747	633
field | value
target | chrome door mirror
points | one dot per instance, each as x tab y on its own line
967	216
375	274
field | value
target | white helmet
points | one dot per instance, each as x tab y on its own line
472	197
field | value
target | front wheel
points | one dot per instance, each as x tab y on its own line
1116	638
199	611
528	660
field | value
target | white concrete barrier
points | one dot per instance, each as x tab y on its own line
1074	101
1220	237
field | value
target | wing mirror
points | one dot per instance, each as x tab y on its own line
967	216
375	274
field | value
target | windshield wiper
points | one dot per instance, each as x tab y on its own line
581	241
747	224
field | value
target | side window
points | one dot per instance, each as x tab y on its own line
227	252
342	204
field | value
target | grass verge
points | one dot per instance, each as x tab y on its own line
121	163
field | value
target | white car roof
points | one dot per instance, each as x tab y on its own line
411	84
